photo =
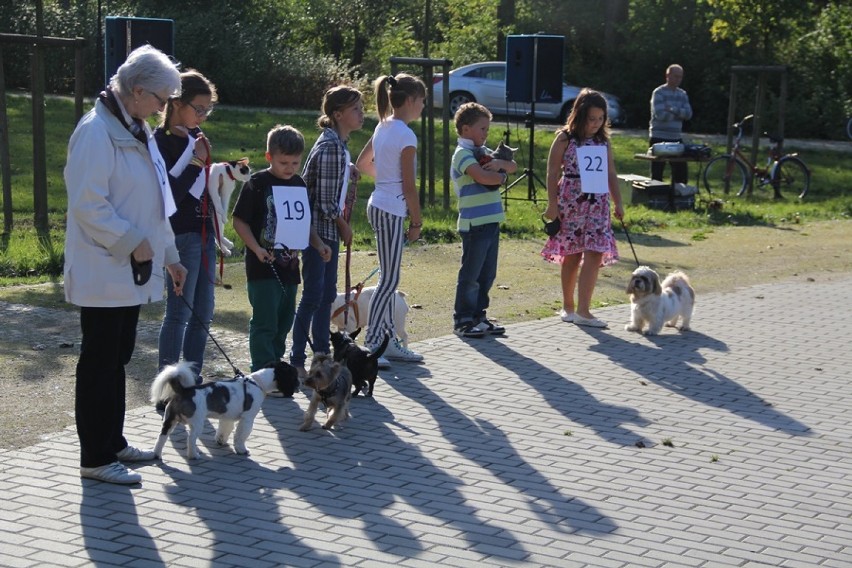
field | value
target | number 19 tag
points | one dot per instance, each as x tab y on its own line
593	165
293	216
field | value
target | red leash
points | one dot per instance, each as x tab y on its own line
205	207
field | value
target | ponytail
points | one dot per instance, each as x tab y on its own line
393	91
336	99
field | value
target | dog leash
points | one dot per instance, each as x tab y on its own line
237	372
205	205
295	316
627	234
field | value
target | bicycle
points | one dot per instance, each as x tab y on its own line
735	171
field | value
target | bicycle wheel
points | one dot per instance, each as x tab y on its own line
791	175
725	172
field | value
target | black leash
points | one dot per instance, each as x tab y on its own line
237	372
295	316
627	234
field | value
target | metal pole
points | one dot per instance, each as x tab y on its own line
39	147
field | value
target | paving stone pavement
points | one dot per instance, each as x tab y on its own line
552	446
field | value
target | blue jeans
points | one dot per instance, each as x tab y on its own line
183	332
319	289
478	270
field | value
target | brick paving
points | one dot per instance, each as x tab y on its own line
553	446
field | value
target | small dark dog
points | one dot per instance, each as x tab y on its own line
332	384
363	365
232	401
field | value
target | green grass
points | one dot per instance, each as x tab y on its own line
26	257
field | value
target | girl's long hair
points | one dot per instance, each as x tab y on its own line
393	91
575	126
192	84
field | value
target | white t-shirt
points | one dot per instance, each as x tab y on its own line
390	138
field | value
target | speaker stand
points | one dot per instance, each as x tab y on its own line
529	172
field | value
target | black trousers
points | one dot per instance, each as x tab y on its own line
109	336
680	173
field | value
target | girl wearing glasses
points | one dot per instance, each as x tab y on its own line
186	153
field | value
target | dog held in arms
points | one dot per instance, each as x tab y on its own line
233	401
363	365
332	384
653	304
223	180
359	312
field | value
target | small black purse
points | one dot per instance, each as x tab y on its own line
551	227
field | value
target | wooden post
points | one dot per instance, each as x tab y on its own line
79	79
447	120
39	151
732	115
39	146
5	161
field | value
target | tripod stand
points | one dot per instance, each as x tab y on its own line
529	172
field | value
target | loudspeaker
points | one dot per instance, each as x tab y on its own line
543	54
123	35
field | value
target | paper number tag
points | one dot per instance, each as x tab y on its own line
593	165
293	216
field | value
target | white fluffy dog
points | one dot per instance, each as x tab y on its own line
222	182
653	304
231	401
359	312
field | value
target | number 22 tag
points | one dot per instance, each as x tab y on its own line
293	216
593	166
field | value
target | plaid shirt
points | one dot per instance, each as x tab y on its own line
323	174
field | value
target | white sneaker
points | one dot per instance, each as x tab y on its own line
111	473
567	317
131	454
397	352
383	363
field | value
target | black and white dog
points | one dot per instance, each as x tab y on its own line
231	401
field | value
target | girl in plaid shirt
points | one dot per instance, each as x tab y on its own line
327	173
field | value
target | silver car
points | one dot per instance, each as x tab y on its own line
485	83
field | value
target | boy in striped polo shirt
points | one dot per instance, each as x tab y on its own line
477	180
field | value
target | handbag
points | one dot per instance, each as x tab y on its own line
551	227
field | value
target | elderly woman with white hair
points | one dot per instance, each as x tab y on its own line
118	236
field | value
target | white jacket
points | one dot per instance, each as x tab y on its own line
114	202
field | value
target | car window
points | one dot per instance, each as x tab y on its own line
492	73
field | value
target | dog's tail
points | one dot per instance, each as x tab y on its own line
172	380
679	281
381	348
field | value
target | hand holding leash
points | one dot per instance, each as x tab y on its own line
178	273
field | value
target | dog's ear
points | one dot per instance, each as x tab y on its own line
355	333
630	287
658	289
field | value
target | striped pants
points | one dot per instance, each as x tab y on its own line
390	238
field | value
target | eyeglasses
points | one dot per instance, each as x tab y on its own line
160	99
201	112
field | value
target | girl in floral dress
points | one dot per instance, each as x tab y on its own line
585	241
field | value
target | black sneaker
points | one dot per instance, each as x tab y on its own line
491	327
469	329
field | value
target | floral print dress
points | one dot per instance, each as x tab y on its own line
584	218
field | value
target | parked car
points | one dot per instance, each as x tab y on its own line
485	83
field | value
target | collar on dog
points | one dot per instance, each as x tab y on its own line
326	394
229	172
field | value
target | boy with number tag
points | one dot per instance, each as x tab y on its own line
275	194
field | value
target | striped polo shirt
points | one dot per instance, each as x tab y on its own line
478	205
